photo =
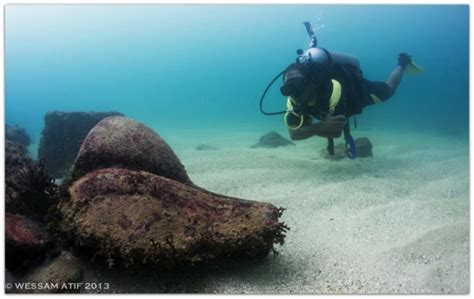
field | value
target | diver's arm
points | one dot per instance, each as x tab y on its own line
330	127
344	59
305	132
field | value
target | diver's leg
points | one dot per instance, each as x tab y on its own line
376	92
395	78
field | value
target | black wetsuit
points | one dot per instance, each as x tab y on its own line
356	93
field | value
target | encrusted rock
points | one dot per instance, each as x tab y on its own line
25	240
130	201
271	140
141	217
28	188
62	136
124	143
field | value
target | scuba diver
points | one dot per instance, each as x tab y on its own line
330	87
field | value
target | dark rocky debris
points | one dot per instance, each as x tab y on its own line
272	140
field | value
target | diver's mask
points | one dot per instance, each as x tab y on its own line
300	91
308	87
294	87
297	87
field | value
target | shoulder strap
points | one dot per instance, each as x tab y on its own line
335	96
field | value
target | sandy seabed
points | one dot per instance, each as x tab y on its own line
395	223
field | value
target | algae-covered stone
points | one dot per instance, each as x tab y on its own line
29	190
139	217
62	136
129	200
25	240
121	142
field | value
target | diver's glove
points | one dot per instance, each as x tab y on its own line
404	59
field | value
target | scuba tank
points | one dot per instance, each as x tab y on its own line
321	55
325	57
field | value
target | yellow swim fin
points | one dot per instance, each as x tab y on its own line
413	68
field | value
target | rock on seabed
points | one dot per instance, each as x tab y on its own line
129	199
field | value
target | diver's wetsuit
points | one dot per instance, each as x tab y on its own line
376	88
356	93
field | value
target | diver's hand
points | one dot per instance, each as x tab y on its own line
332	126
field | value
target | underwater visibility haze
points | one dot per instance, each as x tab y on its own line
397	222
207	65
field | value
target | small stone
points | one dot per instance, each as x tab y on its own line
272	140
61	275
205	147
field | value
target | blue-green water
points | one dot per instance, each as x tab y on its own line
202	66
397	223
